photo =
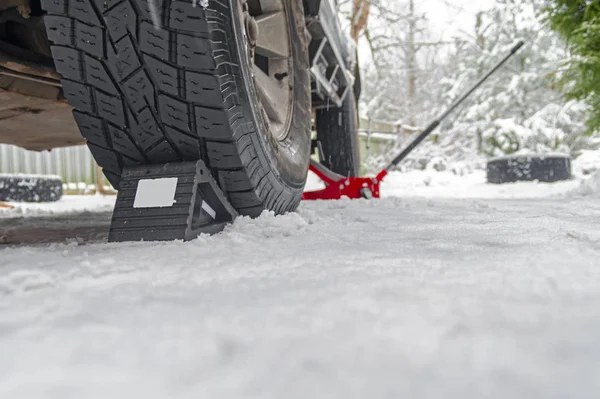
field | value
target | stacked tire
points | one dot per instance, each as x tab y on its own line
30	188
542	168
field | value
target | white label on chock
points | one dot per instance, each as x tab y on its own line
207	208
155	193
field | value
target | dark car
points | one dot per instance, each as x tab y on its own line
240	84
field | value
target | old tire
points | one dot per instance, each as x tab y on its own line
543	168
189	90
337	133
30	188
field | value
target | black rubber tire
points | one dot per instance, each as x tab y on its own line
181	93
548	169
337	132
30	188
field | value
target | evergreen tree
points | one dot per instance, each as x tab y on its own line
578	22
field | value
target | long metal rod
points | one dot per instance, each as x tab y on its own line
458	102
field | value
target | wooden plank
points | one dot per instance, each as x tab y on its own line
62	229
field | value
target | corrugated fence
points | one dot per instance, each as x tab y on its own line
73	164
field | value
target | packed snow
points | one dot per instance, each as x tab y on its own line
69	204
447	287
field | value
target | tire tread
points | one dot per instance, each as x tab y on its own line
142	95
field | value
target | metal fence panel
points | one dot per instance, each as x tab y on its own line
73	164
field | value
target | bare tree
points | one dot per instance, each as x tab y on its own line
410	50
397	41
360	17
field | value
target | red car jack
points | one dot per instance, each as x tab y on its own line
338	186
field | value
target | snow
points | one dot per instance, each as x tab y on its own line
447	287
432	184
68	204
28	176
590	187
588	162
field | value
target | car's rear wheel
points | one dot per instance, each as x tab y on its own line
157	81
337	133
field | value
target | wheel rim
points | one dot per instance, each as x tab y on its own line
267	35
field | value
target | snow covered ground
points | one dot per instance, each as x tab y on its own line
446	288
73	204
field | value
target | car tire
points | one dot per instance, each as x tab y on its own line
543	168
162	81
30	188
337	134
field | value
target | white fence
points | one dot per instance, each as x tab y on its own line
73	164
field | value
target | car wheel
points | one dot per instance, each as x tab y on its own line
337	133
160	81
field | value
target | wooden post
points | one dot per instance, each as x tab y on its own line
100	188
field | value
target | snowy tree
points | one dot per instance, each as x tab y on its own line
396	83
521	108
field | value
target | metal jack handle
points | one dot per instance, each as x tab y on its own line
443	116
